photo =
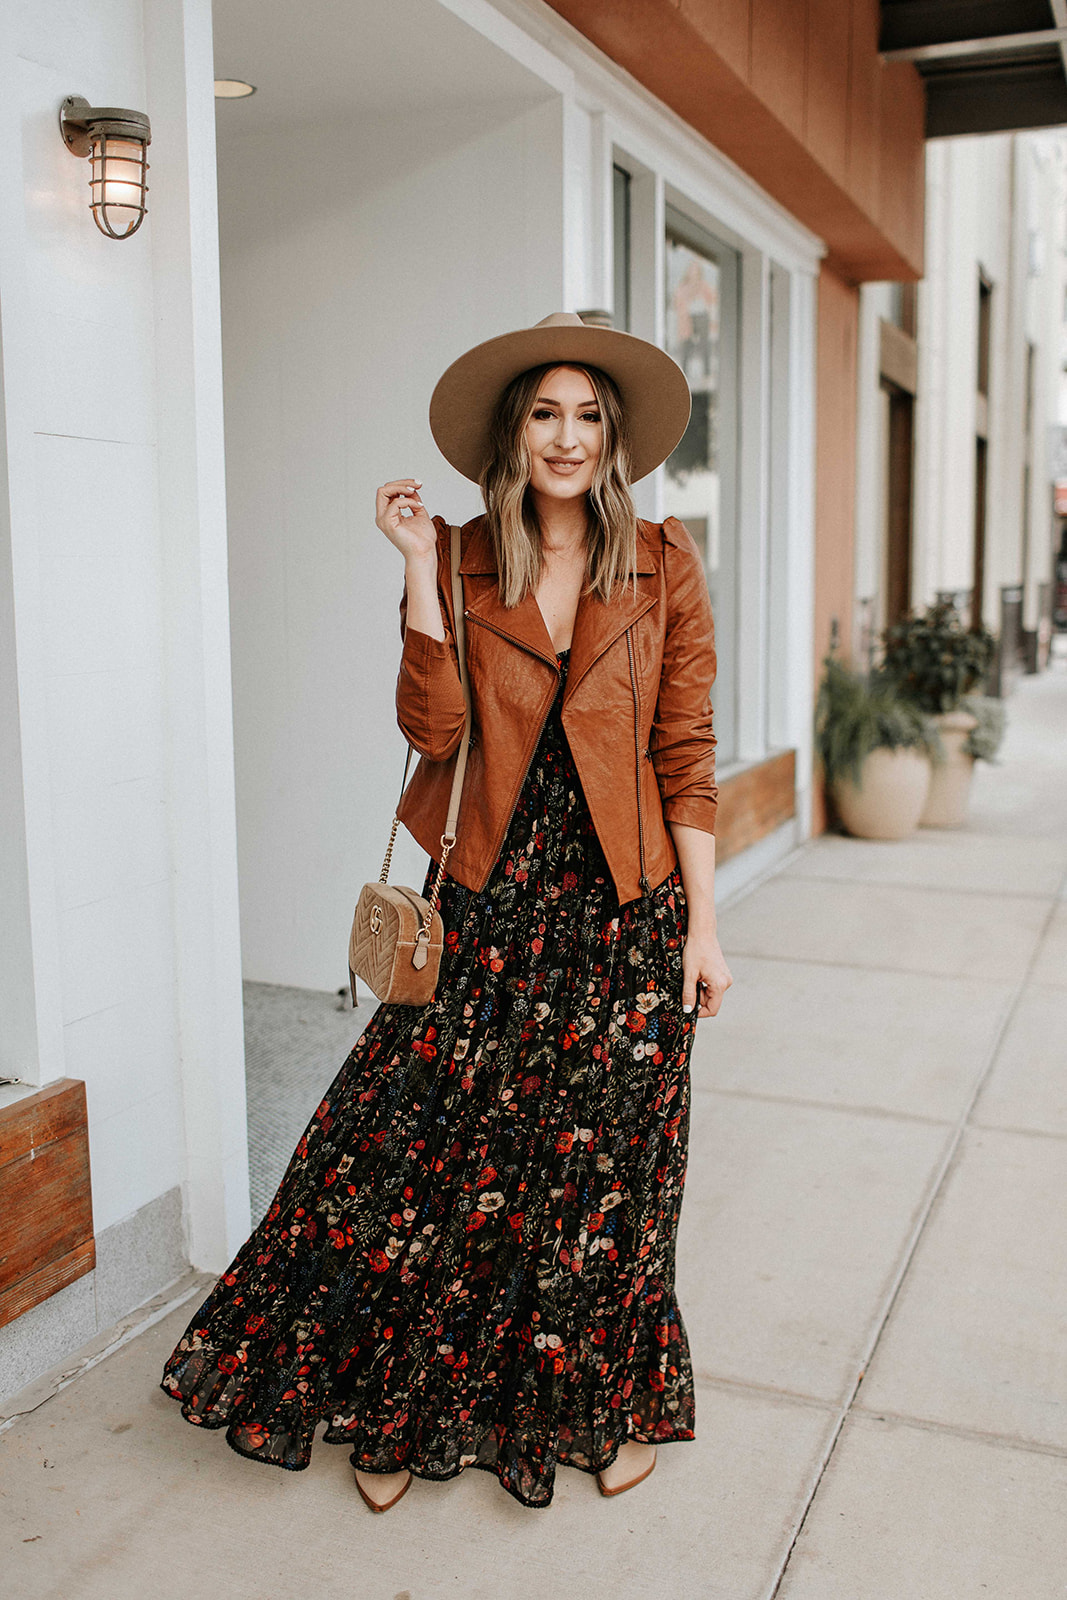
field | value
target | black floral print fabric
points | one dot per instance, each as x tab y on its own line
470	1259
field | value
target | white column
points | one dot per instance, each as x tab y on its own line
178	48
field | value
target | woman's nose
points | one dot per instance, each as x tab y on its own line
567	433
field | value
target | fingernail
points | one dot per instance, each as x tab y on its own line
687	1008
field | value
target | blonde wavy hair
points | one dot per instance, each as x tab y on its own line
511	516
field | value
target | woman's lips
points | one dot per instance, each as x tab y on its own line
564	468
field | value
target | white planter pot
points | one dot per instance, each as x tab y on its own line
889	799
950	780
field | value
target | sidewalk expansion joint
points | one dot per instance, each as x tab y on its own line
848	1107
1003	1441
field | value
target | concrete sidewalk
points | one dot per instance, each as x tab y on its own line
872	1274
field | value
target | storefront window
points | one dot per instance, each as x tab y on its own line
700	480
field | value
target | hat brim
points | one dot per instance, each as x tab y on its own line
654	390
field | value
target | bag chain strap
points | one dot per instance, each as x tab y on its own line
448	838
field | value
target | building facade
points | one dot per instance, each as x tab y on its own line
960	398
200	634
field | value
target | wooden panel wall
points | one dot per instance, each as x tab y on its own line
754	802
46	1209
835	474
795	92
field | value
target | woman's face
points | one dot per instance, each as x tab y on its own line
565	434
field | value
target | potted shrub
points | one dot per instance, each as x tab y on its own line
936	663
876	751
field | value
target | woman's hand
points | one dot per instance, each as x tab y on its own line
414	536
703	963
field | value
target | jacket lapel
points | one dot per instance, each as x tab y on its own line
596	625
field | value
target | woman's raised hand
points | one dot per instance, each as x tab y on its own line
414	536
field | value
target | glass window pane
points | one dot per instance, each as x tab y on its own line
621	225
700	481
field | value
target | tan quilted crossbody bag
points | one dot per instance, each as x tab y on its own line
397	935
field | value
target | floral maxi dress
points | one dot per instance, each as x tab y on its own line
469	1261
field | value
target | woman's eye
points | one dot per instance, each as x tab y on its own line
591	416
539	416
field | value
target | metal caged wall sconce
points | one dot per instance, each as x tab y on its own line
116	142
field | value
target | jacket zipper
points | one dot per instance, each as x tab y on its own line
472	616
645	887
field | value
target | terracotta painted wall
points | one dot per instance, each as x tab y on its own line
795	92
835	472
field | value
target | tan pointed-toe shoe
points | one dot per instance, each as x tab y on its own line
381	1490
616	1478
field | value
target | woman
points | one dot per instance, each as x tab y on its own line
470	1258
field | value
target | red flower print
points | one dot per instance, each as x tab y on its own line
565	1142
379	1261
228	1363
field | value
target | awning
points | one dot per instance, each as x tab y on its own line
989	66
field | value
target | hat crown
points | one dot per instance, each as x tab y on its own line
561	319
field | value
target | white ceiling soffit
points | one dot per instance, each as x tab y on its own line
336	61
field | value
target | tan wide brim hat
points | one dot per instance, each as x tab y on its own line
655	394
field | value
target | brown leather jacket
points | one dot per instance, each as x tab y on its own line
636	708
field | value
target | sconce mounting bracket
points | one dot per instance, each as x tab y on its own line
77	117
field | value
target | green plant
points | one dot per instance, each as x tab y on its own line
855	714
933	660
984	739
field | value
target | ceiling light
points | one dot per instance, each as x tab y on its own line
233	89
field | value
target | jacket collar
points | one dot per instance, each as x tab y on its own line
596	625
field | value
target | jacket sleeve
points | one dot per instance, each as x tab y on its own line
430	707
682	742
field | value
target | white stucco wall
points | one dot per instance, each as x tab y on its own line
119	938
